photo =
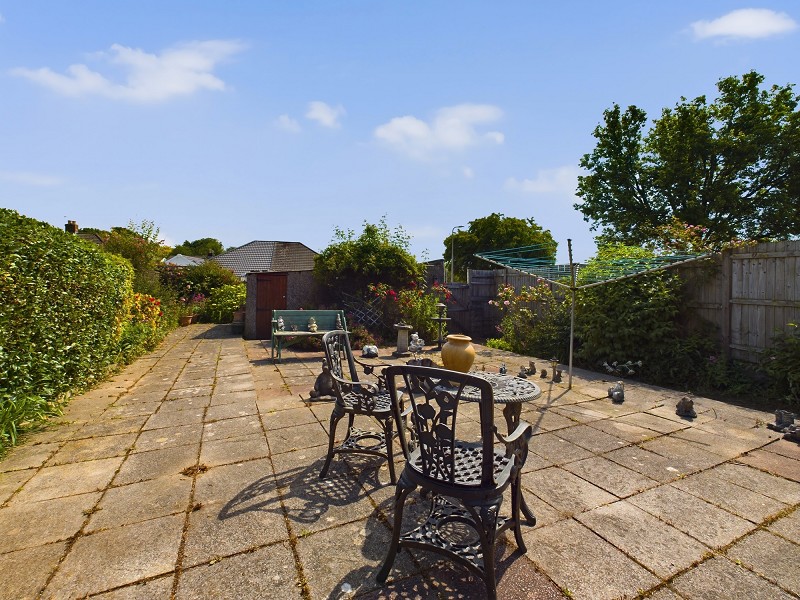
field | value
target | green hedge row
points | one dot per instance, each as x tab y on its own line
64	305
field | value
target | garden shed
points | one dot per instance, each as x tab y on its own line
279	275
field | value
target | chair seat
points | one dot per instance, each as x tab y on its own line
382	408
468	465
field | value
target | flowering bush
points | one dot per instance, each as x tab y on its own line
146	310
534	321
191	305
414	305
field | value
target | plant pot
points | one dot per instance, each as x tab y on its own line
458	354
185	320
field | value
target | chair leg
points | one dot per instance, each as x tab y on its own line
388	435
488	523
516	501
336	415
400	494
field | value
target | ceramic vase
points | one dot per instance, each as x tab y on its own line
458	354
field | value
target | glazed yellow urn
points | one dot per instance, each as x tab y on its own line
458	353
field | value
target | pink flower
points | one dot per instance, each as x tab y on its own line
506	302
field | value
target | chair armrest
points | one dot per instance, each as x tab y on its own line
516	443
369	369
371	388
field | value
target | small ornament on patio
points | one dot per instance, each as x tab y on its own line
503	369
617	393
281	324
312	324
338	321
685	408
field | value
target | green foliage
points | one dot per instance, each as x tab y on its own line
68	316
186	282
535	322
223	301
731	167
349	264
495	232
65	305
139	244
782	364
202	247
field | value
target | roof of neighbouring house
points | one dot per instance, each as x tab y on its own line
181	260
270	257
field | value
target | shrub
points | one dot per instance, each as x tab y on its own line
223	301
782	364
67	317
413	305
203	279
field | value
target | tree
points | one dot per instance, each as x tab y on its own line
496	232
202	247
731	167
378	255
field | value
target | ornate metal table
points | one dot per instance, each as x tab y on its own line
510	391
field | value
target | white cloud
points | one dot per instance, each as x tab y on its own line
748	23
287	123
560	181
324	114
452	129
29	178
468	172
177	71
2	19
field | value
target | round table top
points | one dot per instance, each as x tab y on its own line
507	389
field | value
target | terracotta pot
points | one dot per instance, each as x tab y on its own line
185	320
458	354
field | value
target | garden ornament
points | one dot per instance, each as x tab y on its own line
617	393
369	351
281	324
685	408
323	386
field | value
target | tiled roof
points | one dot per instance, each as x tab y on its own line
268	257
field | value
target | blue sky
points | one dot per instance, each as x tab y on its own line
283	120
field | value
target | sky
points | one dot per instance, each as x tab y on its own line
268	120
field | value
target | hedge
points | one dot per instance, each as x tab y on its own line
65	303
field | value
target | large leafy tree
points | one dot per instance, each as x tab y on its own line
202	247
495	232
730	167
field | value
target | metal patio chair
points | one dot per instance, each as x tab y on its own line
464	480
355	397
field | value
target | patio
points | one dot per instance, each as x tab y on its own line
194	474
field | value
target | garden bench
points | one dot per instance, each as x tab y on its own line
296	328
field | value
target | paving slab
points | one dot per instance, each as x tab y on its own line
31	524
25	572
158	439
567	493
718	577
703	521
93	448
788	526
264	573
591	439
11	481
137	502
153	589
230	428
649	541
777	464
141	466
233	450
344	560
584	565
115	557
27	457
740	501
557	449
610	476
772	557
237	508
68	480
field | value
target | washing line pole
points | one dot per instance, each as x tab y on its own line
573	273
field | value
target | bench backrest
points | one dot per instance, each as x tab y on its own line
326	319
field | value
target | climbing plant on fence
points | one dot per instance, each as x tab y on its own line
65	305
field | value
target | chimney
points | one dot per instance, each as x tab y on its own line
71	227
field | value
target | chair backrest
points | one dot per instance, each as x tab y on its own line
434	395
339	355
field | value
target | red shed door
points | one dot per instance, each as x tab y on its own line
270	295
